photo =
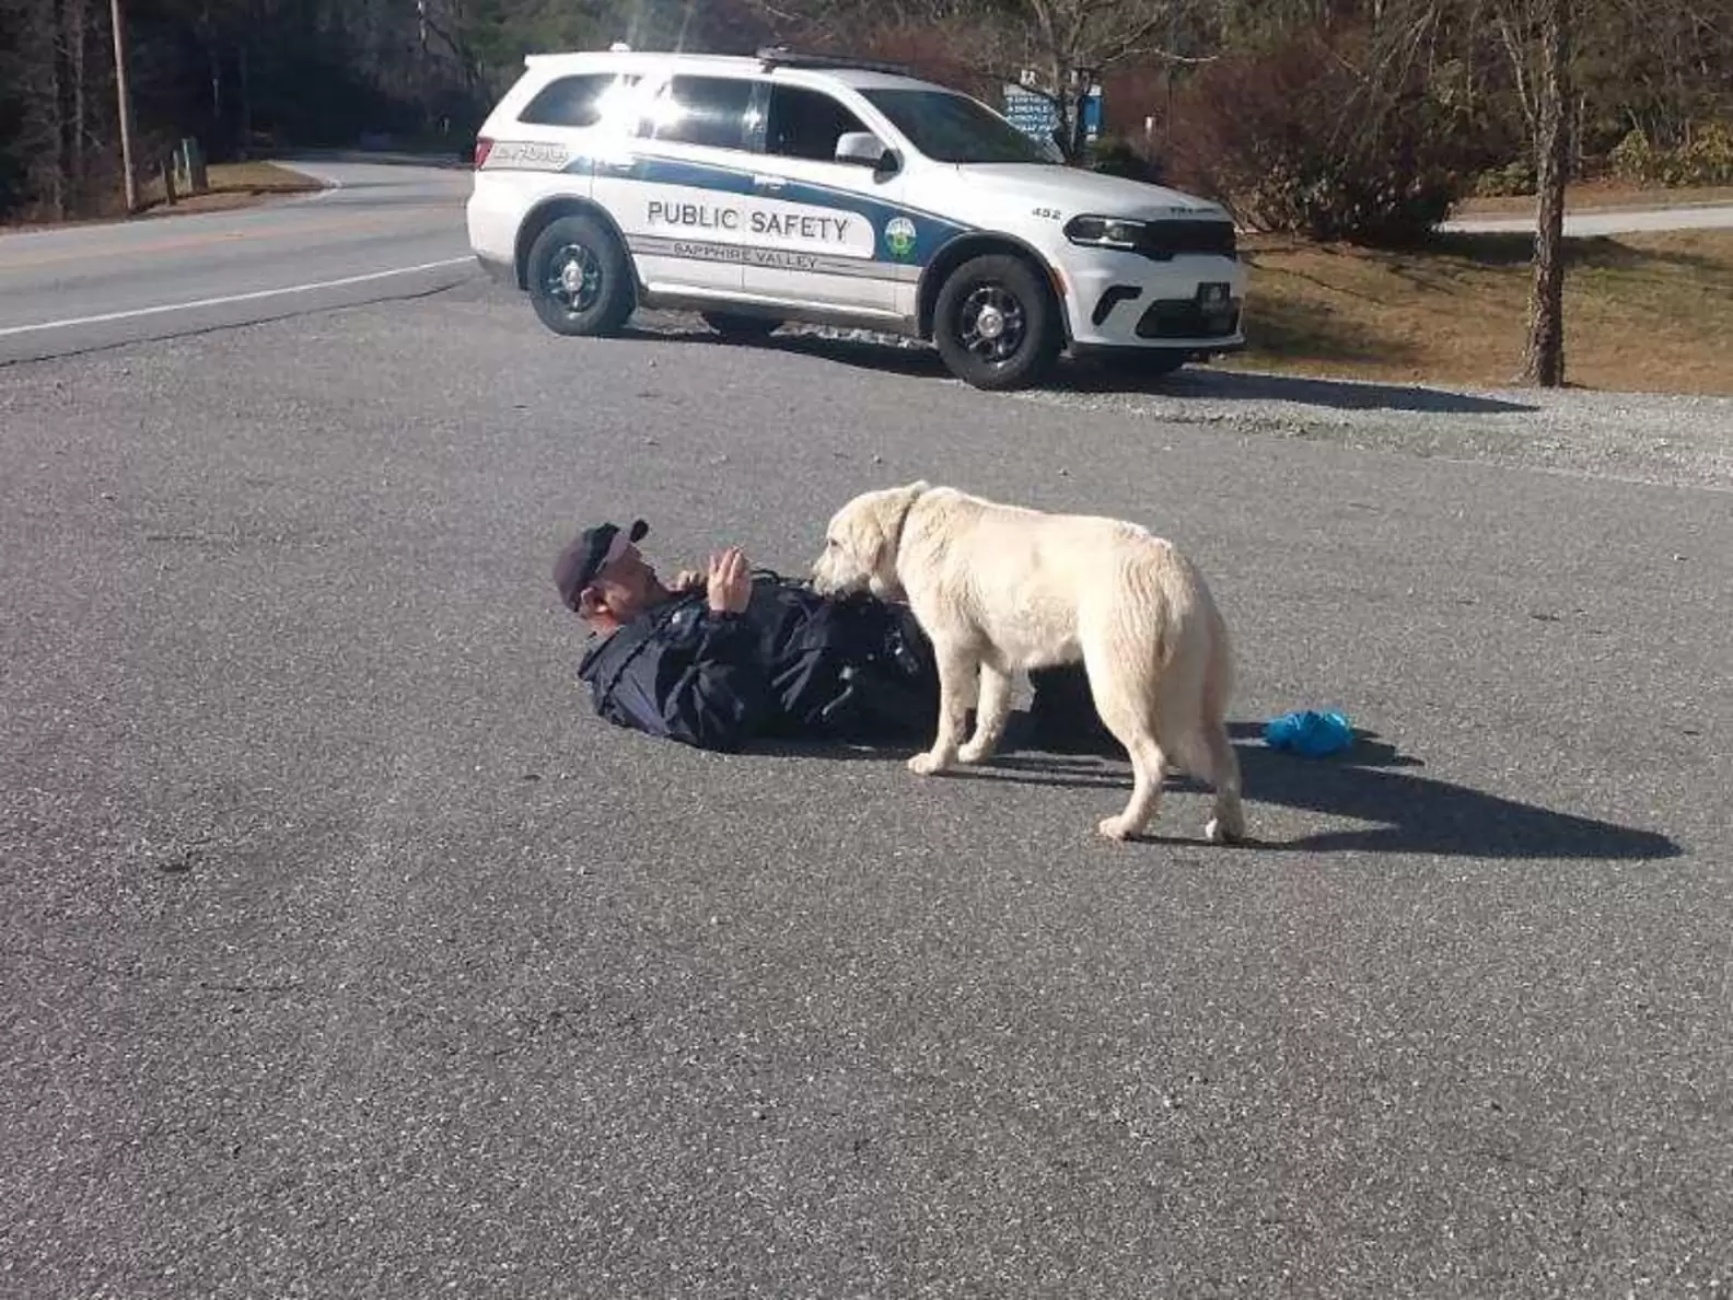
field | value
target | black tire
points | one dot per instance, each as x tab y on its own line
580	279
1015	345
741	327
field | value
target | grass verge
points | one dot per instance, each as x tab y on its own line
1643	313
232	185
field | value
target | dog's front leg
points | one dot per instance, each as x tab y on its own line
959	673
990	715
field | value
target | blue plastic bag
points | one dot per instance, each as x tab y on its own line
1311	732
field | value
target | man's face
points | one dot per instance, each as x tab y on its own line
627	586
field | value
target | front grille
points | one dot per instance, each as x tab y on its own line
1183	318
1163	240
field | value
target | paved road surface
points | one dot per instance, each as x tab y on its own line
1713	216
347	954
388	231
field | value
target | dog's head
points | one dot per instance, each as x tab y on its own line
860	544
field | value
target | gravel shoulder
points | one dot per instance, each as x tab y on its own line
1675	440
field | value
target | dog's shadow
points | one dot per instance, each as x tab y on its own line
1370	782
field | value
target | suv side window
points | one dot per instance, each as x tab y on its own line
806	123
570	101
708	111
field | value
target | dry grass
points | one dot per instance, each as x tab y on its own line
1650	312
232	185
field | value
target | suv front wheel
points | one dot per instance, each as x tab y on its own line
580	280
995	323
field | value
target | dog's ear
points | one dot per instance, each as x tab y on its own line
892	515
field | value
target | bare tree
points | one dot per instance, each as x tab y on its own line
1537	40
1543	359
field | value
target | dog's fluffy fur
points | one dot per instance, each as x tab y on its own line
1001	588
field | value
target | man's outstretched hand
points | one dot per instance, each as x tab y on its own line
730	583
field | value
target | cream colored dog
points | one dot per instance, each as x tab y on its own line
1000	588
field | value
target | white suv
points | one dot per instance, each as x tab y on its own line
803	188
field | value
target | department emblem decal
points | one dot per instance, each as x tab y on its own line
900	236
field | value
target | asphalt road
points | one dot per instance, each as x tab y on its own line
1612	221
347	954
382	232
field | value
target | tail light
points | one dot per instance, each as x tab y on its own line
483	147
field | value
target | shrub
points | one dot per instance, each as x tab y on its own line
1292	139
1706	158
1634	160
1116	156
1511	179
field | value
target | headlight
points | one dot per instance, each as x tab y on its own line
1104	232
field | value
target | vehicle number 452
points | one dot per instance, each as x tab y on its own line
1052	214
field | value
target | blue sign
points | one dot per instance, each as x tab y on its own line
1037	116
1031	113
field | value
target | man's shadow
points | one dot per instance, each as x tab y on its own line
1370	782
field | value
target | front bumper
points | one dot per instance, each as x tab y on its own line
1192	303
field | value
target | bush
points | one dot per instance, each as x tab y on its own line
1116	156
1513	178
1292	140
1706	158
1634	160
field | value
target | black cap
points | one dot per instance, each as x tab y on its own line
586	553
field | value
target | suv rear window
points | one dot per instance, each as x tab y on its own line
703	110
569	101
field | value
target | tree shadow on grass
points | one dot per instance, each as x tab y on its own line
1372	782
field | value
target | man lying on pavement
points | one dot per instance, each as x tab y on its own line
730	654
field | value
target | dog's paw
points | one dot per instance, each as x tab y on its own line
1115	828
925	765
975	752
1220	832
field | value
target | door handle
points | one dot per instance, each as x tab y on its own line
769	182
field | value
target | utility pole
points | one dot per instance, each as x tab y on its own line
125	96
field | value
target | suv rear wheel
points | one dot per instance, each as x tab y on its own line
580	280
995	323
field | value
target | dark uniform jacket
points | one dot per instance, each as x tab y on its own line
792	664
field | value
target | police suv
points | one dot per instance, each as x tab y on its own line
790	187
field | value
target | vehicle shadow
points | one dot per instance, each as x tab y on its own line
1196	382
1372	783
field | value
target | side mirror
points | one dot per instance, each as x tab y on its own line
864	149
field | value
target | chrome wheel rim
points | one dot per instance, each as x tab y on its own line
574	278
992	324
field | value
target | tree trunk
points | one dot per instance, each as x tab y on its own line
1543	360
77	33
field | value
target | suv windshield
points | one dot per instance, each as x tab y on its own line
953	128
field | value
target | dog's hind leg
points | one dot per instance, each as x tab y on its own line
1207	754
1127	716
1208	736
990	714
959	671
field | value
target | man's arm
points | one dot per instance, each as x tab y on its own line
705	684
704	687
